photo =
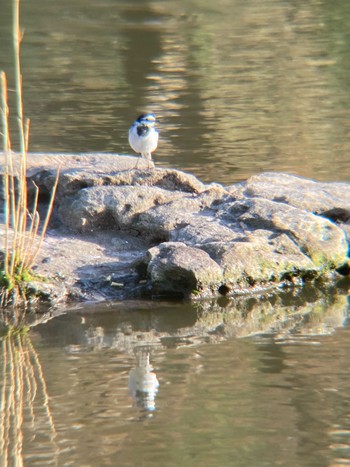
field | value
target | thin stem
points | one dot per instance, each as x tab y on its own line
22	240
6	146
19	243
17	37
5	113
47	219
33	230
26	134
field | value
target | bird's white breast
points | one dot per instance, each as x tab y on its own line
144	144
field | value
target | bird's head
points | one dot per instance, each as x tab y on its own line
147	119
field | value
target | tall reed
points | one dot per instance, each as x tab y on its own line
23	232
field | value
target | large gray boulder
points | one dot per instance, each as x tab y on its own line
320	239
177	269
198	240
209	240
330	200
309	195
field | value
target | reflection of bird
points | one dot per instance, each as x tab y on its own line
143	383
143	137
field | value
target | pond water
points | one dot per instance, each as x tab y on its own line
173	384
239	87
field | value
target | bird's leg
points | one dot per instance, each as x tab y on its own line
137	162
149	159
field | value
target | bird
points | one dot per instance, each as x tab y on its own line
143	136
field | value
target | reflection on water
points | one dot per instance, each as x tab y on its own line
83	388
143	383
25	409
239	87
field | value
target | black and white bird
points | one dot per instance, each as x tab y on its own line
143	136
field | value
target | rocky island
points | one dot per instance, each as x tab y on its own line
120	232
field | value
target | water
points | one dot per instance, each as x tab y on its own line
164	384
240	87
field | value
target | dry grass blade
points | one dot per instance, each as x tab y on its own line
7	148
23	237
32	258
17	38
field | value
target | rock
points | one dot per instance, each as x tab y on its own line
75	178
331	200
107	207
260	262
126	232
168	219
89	170
176	269
321	240
201	230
